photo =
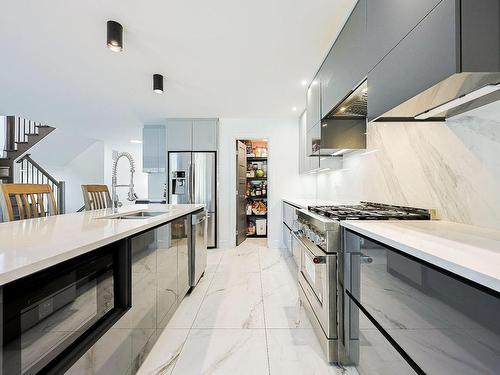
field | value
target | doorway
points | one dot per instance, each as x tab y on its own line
252	189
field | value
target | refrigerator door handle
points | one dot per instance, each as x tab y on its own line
188	185
191	189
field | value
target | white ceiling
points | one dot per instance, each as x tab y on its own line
220	58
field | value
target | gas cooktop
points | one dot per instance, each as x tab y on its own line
370	211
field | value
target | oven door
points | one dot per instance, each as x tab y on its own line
317	277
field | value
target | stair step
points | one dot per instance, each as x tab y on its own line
22	142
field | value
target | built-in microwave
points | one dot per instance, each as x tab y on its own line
52	317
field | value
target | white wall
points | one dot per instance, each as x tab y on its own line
71	158
86	168
284	179
2	135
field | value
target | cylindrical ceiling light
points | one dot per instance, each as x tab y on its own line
115	36
158	83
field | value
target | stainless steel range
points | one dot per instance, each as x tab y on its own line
317	241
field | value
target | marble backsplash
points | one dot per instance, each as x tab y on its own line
451	166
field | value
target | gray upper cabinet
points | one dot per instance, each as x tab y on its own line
302	142
313	136
306	163
192	134
428	54
313	103
180	135
389	21
205	135
153	149
346	64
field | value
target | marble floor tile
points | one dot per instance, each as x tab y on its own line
297	352
214	257
162	358
223	352
188	309
278	260
232	301
282	307
240	260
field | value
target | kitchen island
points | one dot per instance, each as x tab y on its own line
424	293
91	291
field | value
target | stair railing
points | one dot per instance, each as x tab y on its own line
17	130
32	173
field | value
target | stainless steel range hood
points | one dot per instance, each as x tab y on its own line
447	65
457	94
343	129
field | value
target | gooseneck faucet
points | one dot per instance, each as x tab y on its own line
114	184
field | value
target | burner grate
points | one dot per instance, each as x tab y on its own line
370	212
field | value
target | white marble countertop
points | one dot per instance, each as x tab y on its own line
469	251
303	202
28	246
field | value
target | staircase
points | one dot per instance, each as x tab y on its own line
20	136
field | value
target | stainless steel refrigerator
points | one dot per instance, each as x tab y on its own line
192	178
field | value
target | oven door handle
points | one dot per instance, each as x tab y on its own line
316	254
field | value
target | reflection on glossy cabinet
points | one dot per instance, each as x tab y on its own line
159	283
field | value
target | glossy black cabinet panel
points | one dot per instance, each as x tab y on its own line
445	324
371	352
424	57
52	317
389	21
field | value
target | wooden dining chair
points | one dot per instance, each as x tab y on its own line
96	197
27	201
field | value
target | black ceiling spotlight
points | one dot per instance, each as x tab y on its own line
115	36
158	83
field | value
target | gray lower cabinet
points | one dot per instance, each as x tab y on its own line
154	149
444	324
427	55
287	238
389	21
289	216
159	283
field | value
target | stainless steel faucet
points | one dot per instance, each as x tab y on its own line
131	194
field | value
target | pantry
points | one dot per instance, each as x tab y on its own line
252	188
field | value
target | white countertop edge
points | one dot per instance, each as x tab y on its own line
26	270
460	270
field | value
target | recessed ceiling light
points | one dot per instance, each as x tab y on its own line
158	83
294	109
114	36
304	82
342	109
135	141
